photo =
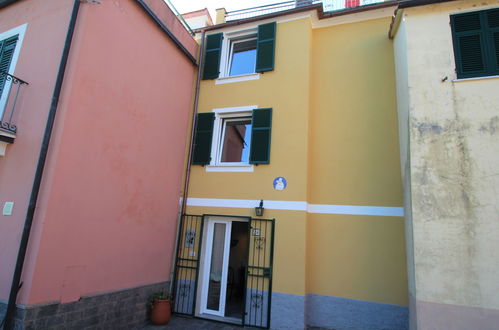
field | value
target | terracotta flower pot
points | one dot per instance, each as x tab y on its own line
161	311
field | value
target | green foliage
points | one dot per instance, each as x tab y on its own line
162	295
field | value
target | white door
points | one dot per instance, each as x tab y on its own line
215	270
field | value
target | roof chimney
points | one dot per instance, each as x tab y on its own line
221	12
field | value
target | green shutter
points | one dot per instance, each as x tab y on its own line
212	56
493	26
468	45
202	138
476	43
261	126
7	48
265	47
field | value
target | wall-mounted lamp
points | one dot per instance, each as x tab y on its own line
259	209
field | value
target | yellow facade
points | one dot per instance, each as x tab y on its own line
335	140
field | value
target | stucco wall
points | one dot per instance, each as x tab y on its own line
288	147
38	63
454	144
401	70
111	188
354	160
334	139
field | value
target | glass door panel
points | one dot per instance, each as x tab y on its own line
214	288
216	268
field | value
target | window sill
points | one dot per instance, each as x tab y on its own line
5	139
233	79
475	78
7	136
239	168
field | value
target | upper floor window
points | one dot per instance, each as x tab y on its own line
239	53
242	56
10	46
233	137
235	141
7	48
476	43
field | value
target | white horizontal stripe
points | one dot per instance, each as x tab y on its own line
356	210
247	203
299	206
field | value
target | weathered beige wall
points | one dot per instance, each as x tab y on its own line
454	181
402	81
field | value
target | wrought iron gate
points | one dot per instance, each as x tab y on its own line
258	278
258	295
187	264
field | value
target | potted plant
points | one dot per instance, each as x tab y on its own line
160	307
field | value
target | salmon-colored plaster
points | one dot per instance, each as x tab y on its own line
108	203
171	21
116	159
38	63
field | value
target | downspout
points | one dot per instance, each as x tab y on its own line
193	126
189	156
21	255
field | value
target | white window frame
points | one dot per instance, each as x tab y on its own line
19	31
217	141
228	47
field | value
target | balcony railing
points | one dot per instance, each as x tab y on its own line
329	5
9	97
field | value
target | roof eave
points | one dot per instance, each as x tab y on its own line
415	3
317	7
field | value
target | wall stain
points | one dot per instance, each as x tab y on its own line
492	126
444	196
429	128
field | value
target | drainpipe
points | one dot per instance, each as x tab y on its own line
21	255
189	158
193	124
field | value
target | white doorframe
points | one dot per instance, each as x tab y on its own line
207	265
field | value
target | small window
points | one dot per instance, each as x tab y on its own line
7	48
476	43
233	137
242	58
235	141
239	53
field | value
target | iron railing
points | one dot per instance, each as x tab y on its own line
9	96
330	5
187	264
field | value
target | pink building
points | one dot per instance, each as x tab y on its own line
198	19
91	159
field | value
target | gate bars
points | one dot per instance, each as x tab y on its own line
258	293
187	264
258	274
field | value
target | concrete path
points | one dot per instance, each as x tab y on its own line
185	323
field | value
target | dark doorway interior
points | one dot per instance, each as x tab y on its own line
234	304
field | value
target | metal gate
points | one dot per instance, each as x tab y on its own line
187	264
258	295
258	278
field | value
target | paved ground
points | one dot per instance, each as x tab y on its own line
183	323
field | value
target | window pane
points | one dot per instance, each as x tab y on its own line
217	259
243	58
236	141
